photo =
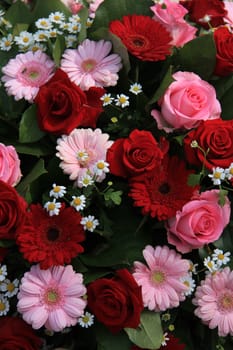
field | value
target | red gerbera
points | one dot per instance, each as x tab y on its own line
51	240
172	344
164	190
143	37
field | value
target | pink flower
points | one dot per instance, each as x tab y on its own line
201	221
73	5
214	301
9	165
80	150
53	297
91	65
160	281
94	4
24	74
186	102
171	14
229	8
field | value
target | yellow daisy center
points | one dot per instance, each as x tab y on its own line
56	189
10	287
77	201
51	206
89	224
2	306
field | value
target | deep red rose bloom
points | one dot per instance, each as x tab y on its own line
224	45
15	334
172	344
200	8
143	37
215	135
116	302
62	106
164	190
137	154
51	240
12	211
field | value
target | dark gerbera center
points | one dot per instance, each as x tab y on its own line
138	41
53	234
164	188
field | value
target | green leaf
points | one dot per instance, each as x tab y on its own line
83	14
167	80
114	196
226	104
107	340
58	49
222	197
6	243
110	10
43	8
28	128
18	13
149	334
19	27
24	186
193	59
194	179
222	85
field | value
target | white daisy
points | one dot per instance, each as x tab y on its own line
9	287
6	43
24	39
220	257
229	172
41	35
135	88
210	264
3	272
4	306
165	339
193	267
57	191
43	23
75	18
217	176
107	99
89	223
190	283
52	207
100	168
74	27
57	17
78	202
86	320
70	40
85	181
122	100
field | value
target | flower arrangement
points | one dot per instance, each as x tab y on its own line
116	174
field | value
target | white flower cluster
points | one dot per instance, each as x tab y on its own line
8	289
121	100
220	174
217	260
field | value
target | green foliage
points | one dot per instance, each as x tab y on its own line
167	80
29	131
112	197
14	14
58	49
43	8
106	340
149	334
194	179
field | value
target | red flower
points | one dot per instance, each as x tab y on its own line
51	240
17	334
116	302
12	211
137	154
172	344
224	45
215	135
198	9
143	37
63	106
164	190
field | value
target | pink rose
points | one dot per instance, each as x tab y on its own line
73	5
171	14
9	165
201	221
186	102
228	18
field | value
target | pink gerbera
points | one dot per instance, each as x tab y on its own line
91	65
24	74
80	150
214	300
52	298
161	283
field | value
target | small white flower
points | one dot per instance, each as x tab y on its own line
3	272
70	40
220	257
57	191
135	88
78	202
24	39
217	176
37	46
89	223
74	27
229	172
41	36
194	144
193	267
43	23
6	43
4	22
86	320
100	168
89	22
52	207
10	288
190	283
165	339
82	157
210	264
122	100
205	19
57	17
4	306
2	13
107	99
85	181
64	26
75	19
53	33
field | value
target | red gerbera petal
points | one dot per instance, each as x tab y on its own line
51	240
163	191
143	37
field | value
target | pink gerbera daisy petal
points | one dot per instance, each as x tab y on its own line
91	64
24	74
51	305
161	285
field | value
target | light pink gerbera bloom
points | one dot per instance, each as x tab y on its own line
91	65
161	283
80	150
214	301
24	74
52	298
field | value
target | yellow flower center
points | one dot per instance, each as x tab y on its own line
220	256
52	296
51	206
100	166
25	40
57	18
217	175
2	306
56	189
89	224
77	201
88	65
187	284
158	277
85	319
7	43
122	99
10	287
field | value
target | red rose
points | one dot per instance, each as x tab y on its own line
116	302
63	106
224	45
198	9
215	135
12	211
17	334
137	154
